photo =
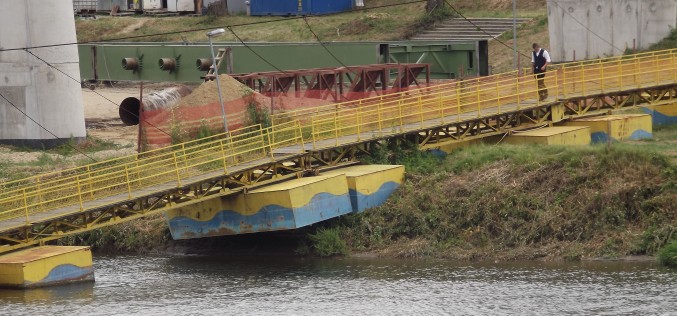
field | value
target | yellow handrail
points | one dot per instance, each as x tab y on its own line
115	180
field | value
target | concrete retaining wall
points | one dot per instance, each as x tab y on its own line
617	25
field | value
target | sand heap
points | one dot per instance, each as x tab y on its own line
207	93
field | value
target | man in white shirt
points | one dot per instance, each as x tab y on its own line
540	60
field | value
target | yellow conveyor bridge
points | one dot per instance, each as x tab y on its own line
51	205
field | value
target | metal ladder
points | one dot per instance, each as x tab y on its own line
219	57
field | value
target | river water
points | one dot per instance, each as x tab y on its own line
141	285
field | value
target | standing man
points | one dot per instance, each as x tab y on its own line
539	61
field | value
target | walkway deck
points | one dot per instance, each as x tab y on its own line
45	198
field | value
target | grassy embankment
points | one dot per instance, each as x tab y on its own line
526	202
495	202
369	24
19	162
502	202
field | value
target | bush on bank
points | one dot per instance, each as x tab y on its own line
523	202
668	254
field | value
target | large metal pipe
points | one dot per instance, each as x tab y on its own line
130	63
203	64
168	64
163	99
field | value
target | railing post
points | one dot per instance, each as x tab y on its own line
336	127
380	118
556	85
359	119
674	69
601	69
477	91
458	102
129	185
185	159
637	83
620	74
138	172
420	109
399	111
498	98
517	90
583	81
655	70
25	200
441	108
300	130
223	156
312	130
39	190
89	181
270	146
176	169
77	183
230	147
564	82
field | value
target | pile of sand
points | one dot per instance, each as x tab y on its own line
207	93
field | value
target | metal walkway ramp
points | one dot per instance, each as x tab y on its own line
49	206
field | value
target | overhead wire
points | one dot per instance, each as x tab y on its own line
501	42
324	46
253	51
196	29
483	31
44	128
136	115
585	27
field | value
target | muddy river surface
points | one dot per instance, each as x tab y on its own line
141	285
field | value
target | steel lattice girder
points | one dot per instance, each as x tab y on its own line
336	82
314	160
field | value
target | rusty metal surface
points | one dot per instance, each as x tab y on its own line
341	84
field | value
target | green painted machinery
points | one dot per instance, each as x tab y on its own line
176	62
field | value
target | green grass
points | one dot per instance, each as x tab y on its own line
667	43
64	156
524	202
393	23
667	256
139	236
368	24
327	242
72	147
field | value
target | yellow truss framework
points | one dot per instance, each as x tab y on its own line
51	205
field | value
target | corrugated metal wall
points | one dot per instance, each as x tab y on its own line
299	7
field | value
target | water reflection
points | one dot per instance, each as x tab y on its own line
273	285
70	292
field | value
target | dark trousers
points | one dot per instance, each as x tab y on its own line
542	89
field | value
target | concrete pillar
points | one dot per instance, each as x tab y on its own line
41	92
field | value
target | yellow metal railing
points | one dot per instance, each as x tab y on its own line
125	178
333	124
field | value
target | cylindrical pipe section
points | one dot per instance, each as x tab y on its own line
130	63
167	63
164	99
203	64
